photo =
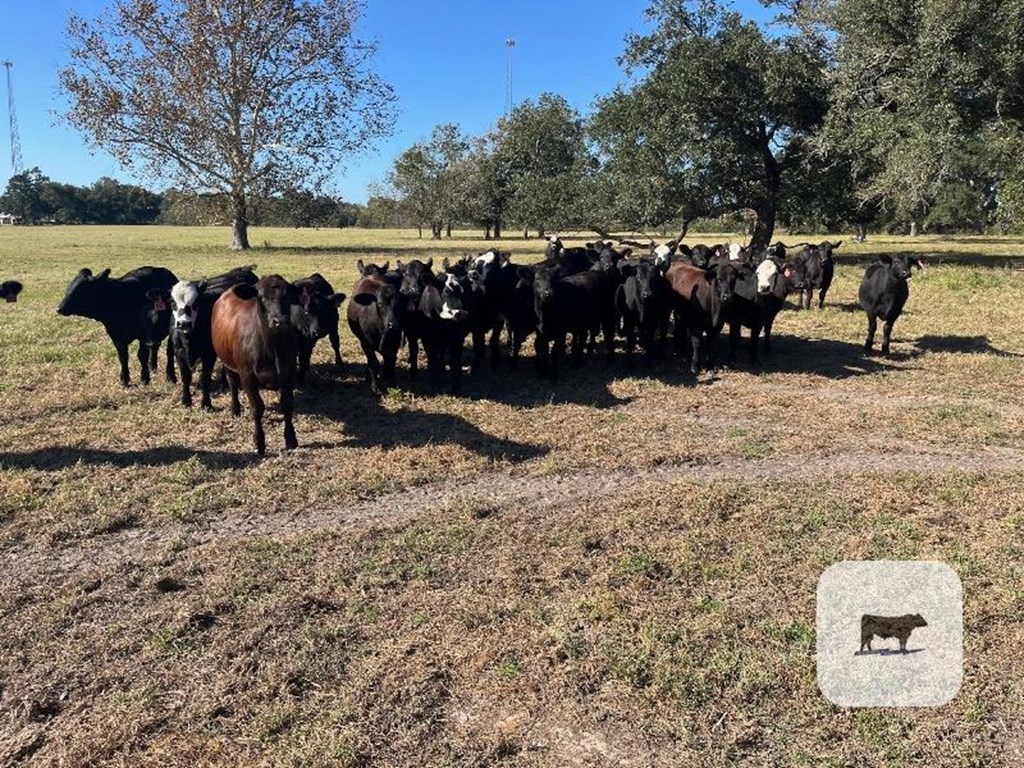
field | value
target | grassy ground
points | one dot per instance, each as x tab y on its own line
613	570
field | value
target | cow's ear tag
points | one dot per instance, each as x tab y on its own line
159	305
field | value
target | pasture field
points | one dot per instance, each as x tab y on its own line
615	569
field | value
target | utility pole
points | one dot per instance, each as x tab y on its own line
15	140
509	45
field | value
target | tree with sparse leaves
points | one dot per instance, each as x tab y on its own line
235	97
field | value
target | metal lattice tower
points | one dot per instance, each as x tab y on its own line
15	139
509	45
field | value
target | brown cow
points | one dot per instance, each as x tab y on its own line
697	298
254	338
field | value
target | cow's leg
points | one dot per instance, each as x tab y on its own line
872	327
234	382
205	376
122	358
479	347
629	331
372	367
257	406
288	409
734	340
154	347
886	334
695	340
579	340
903	643
611	325
414	357
755	339
768	334
305	355
495	345
186	382
558	352
821	298
170	374
332	336
541	352
455	359
143	355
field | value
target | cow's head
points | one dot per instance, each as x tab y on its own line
387	302
795	274
416	276
276	296
726	275
650	285
767	273
318	311
9	290
900	266
454	297
826	249
663	254
917	620
184	301
554	247
487	262
372	269
84	294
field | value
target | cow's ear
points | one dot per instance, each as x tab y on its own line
85	272
364	299
387	264
836	244
430	263
361	267
445	264
201	287
398	266
504	258
104	274
337	298
626	253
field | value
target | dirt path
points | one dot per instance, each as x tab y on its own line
511	490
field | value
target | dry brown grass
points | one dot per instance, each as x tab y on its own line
618	569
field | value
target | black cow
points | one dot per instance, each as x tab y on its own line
756	297
417	278
512	296
9	290
122	306
889	626
883	292
570	261
452	312
816	269
375	313
701	255
580	304
314	316
191	335
642	303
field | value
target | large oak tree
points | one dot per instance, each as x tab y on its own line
716	115
238	97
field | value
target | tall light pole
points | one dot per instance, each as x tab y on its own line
509	45
13	123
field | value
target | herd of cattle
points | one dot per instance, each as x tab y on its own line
263	330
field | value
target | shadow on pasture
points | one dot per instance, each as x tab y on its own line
820	357
364	422
970	345
62	457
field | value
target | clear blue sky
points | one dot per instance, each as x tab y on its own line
445	59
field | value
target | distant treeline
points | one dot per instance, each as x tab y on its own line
33	198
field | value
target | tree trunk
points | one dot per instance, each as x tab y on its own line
435	230
240	223
526	233
768	205
913	229
540	233
448	230
497	230
420	228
